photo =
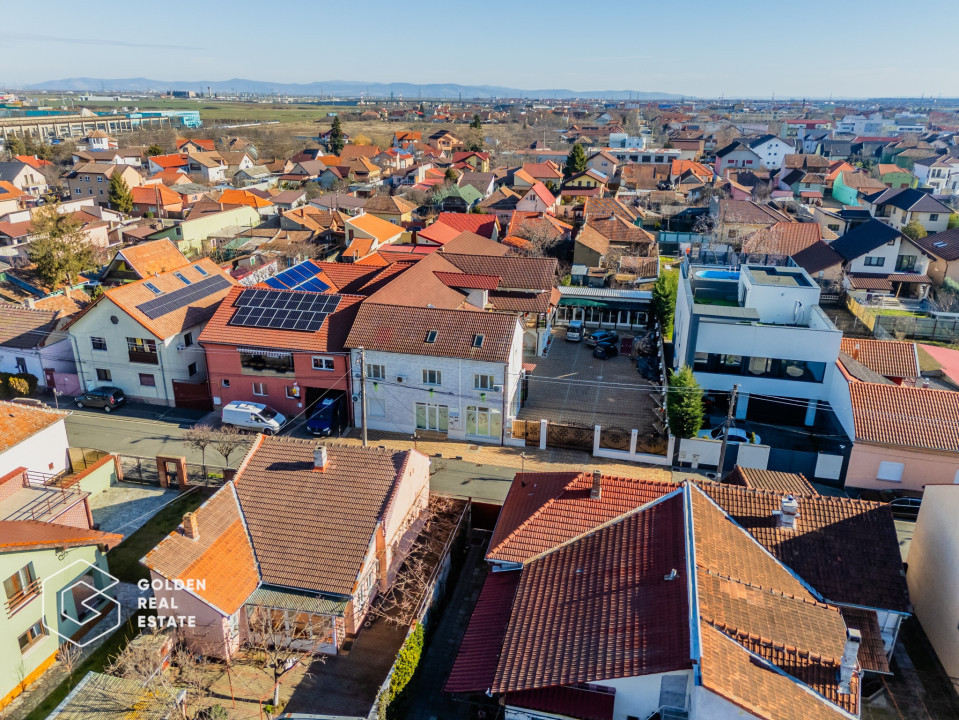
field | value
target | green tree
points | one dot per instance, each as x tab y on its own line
60	250
336	142
477	123
121	199
16	146
684	403
576	160
154	150
664	300
450	175
914	230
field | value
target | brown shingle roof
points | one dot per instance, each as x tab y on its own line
22	327
515	273
783	238
781	482
835	547
311	530
404	330
905	416
889	358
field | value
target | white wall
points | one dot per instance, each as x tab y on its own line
707	705
773	153
889	252
639	696
39	451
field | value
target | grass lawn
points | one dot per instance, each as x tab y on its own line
124	559
95	662
900	313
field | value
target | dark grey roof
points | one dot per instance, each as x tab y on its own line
816	257
861	372
756	142
943	245
908	199
864	238
733	146
10	170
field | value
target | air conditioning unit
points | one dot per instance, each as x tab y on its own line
401	378
181	347
355	397
497	388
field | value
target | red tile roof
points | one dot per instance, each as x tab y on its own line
468	280
781	482
18	422
583	703
439	233
889	358
905	416
484	225
20	535
155	194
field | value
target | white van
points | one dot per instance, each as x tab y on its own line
252	416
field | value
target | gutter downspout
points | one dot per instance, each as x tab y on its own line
76	354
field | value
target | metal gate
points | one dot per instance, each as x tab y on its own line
570	437
652	443
195	396
528	429
615	438
139	470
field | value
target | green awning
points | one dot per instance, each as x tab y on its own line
298	602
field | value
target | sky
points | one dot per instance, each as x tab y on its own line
706	48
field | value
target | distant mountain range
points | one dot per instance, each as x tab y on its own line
338	88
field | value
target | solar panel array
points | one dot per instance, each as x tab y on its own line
299	277
283	310
160	306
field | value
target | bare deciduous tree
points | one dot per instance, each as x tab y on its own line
200	437
68	655
227	441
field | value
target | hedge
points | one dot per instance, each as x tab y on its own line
407	660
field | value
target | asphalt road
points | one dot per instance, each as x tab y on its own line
148	431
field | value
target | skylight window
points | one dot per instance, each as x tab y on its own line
200	270
182	278
153	288
431	336
478	341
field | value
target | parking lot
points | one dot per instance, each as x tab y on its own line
572	386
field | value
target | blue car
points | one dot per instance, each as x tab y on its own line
326	419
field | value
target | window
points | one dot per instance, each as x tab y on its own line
225	382
432	377
187	339
701	362
21	587
142	351
191	369
153	288
182	278
483	421
431	337
21	365
891	471
478	341
99	178
147	380
265	361
375	372
731	364
90	191
432	417
98	343
933	217
76	191
906	263
31	637
200	270
292	392
483	382
104	375
322	362
259	389
874	261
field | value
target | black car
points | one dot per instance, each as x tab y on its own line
602	336
108	398
604	351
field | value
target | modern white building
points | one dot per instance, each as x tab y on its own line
142	337
761	328
454	372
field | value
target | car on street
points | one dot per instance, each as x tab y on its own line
575	330
604	351
254	416
602	336
736	435
108	398
906	508
327	418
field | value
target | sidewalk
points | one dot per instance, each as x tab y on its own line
535	460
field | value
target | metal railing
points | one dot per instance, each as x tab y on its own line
23	597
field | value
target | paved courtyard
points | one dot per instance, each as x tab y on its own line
126	507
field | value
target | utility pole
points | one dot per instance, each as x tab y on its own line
363	393
729	421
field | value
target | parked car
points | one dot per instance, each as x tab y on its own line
737	435
605	351
602	336
108	398
574	331
252	416
906	508
326	418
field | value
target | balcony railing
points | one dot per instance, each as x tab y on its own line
142	356
23	597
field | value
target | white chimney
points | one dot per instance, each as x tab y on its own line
789	511
596	491
320	458
850	660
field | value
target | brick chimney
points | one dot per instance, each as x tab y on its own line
190	527
855	352
320	458
596	491
850	655
789	511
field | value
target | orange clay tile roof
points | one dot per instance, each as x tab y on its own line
782	482
388	205
329	338
9	191
128	297
359	248
388	329
484	225
221	555
834	546
380	229
204	143
543	510
872	650
62	305
439	233
153	257
905	416
543	194
19	535
169	161
569	600
598	207
298	540
155	193
889	358
242	197
18	422
521	174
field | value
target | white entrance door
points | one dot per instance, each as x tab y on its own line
432	417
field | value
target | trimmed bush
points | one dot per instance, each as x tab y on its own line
18	387
407	660
31	381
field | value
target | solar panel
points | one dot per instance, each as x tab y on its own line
160	306
274	283
305	312
299	277
314	285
